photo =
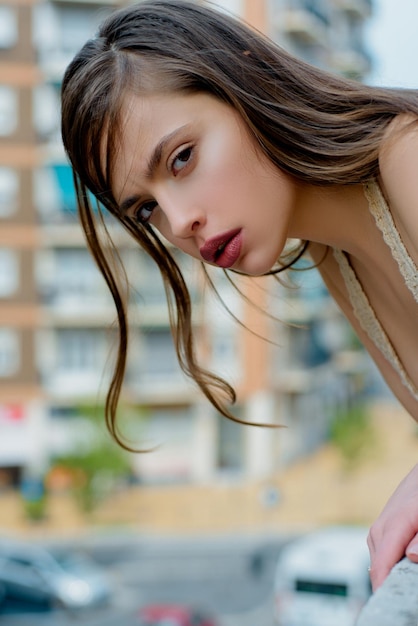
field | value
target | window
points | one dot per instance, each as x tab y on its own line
54	193
150	285
225	356
231	444
46	108
8	108
61	29
9	191
8	27
158	357
9	272
76	274
9	352
80	350
322	588
319	8
77	24
172	425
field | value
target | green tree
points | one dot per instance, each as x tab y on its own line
353	434
96	462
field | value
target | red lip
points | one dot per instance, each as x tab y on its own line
224	249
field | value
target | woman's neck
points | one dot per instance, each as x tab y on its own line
336	216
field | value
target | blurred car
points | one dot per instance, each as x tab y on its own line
173	615
322	578
30	574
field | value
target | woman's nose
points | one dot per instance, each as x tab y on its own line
184	220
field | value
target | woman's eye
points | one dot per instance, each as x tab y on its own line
181	159
144	212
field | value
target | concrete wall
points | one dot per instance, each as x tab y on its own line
395	603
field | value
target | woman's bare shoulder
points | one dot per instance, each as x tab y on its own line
398	158
398	162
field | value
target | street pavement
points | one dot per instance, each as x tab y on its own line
229	576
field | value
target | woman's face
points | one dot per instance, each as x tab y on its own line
188	166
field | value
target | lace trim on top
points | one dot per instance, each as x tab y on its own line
384	220
359	301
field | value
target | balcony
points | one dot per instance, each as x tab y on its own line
164	391
67	312
61	384
357	8
351	63
303	25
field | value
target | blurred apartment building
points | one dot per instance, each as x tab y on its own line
55	312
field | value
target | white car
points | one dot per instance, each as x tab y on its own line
322	578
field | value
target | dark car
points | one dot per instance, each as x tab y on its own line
32	575
174	615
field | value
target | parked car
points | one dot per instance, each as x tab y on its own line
173	615
30	574
322	578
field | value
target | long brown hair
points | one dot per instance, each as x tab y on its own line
315	126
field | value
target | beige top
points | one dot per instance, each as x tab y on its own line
359	300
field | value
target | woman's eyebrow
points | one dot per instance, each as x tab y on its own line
152	165
126	205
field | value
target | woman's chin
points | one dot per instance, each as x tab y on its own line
255	268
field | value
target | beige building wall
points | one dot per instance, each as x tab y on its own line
19	236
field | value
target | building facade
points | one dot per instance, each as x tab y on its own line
56	315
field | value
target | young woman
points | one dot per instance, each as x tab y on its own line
184	122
